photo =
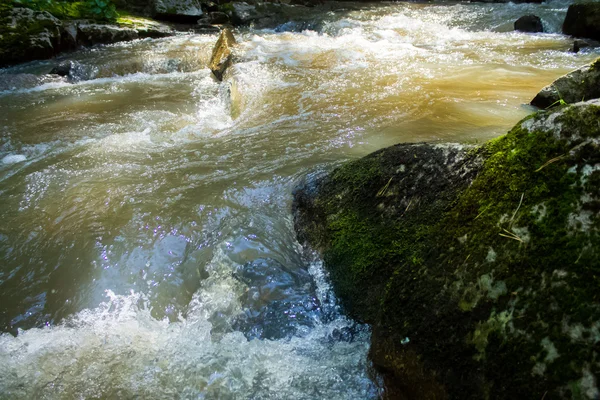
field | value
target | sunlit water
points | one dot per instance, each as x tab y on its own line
146	243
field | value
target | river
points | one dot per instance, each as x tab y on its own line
146	244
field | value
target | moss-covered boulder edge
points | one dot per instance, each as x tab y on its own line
478	267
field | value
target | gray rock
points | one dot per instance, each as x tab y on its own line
205	28
583	20
581	84
244	13
30	35
185	11
62	69
529	23
92	34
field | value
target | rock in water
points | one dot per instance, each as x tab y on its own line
581	84
478	268
62	69
529	23
583	20
222	56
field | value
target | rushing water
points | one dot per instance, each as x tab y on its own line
146	243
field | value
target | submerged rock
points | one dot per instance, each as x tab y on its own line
478	267
583	20
581	84
222	56
277	301
529	23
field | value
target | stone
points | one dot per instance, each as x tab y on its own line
579	44
243	13
184	11
28	35
578	85
477	267
62	69
205	28
89	34
529	23
222	56
218	18
583	20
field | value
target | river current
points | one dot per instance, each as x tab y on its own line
146	239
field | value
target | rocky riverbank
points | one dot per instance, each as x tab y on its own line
27	34
476	266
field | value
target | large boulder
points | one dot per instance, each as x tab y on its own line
478	268
222	56
529	23
185	11
27	35
583	20
581	84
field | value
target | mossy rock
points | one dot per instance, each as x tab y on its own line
479	268
579	85
27	35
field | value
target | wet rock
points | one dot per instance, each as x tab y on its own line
222	56
583	20
218	18
210	7
184	11
477	267
262	15
205	28
243	13
72	70
581	84
579	44
529	23
277	300
62	69
28	35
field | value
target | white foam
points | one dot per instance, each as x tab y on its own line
14	158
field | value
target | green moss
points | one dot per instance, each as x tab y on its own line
416	260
